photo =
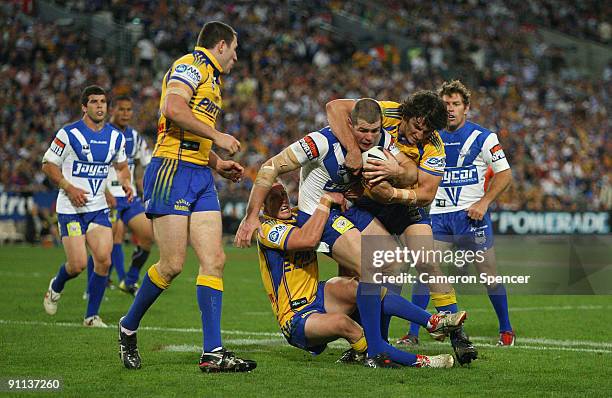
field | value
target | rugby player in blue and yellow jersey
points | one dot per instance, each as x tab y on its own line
312	313
415	124
180	195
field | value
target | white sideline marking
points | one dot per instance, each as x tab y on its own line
277	338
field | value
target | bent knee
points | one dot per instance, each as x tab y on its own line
169	270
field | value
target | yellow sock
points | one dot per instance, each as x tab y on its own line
442	299
214	282
156	278
360	345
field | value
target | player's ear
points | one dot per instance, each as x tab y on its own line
350	121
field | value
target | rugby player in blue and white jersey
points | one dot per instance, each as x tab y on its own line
459	212
124	213
78	162
321	159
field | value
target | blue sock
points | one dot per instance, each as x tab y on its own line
117	261
139	258
210	301
399	356
385	319
499	299
90	271
394	305
369	304
97	285
420	298
147	294
61	278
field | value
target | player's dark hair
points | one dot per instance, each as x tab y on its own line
427	105
455	87
92	90
367	110
213	32
122	97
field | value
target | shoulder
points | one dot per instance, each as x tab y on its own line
273	232
435	144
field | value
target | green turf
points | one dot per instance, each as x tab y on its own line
557	352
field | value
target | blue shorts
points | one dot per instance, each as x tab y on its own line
77	224
456	227
125	211
338	223
395	217
294	331
174	186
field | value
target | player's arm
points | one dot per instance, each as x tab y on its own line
176	108
338	115
280	164
124	178
52	162
421	196
308	236
399	170
229	169
110	199
494	156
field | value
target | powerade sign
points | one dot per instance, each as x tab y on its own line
551	223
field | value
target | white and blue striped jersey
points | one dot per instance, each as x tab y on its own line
322	159
85	157
136	149
470	151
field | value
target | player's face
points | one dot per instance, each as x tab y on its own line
457	110
277	203
366	134
96	108
228	55
122	113
415	130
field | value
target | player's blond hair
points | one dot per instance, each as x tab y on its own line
455	87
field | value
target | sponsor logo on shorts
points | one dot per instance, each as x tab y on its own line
180	205
480	237
74	228
295	304
497	153
342	224
309	146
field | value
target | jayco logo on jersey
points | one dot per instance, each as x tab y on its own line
189	72
459	176
94	172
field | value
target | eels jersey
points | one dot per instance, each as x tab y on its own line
201	72
85	157
290	278
429	157
470	151
136	150
322	159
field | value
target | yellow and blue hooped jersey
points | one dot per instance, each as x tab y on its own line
290	278
202	73
430	157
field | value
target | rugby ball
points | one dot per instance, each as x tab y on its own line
375	152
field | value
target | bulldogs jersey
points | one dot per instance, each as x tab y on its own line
136	150
470	150
84	157
322	159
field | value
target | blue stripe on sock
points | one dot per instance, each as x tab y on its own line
117	261
61	278
369	304
395	305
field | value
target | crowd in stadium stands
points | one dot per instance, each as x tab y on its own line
552	123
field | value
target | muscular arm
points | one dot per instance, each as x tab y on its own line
338	114
282	163
499	182
421	196
77	196
400	171
123	175
309	235
176	108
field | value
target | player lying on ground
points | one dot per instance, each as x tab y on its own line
312	313
399	202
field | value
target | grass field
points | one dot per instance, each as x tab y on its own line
564	344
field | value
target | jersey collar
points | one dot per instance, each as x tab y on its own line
211	57
292	220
